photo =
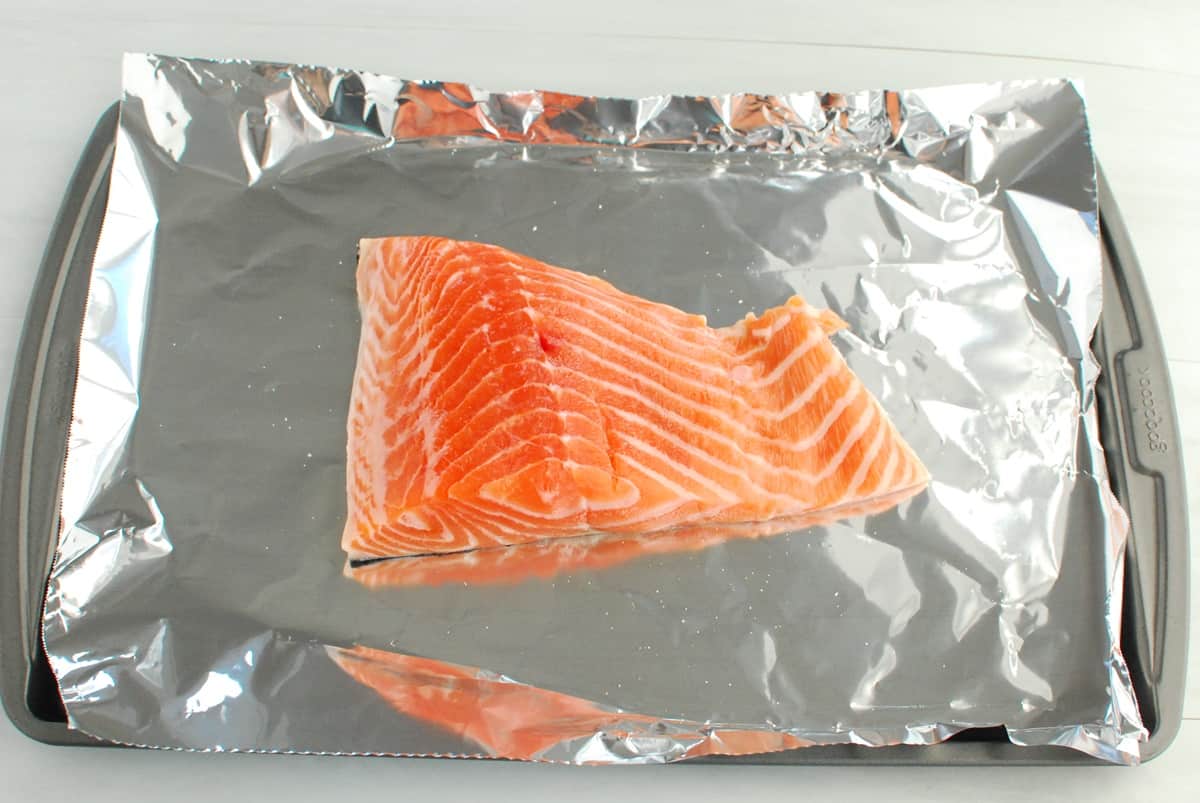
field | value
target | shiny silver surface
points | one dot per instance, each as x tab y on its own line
198	596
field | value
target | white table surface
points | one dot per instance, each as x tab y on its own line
60	64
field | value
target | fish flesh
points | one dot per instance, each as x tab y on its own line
508	719
498	400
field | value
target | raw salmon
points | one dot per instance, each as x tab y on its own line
498	400
507	719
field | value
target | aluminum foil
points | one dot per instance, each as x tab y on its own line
199	597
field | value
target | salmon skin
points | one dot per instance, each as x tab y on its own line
498	400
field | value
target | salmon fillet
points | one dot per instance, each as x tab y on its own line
498	400
513	720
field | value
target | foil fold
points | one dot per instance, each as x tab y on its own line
199	599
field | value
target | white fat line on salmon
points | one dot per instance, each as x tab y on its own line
387	290
456	312
381	249
369	415
363	485
701	385
455	488
469	434
709	433
853	437
467	373
917	473
889	469
721	491
578	508
744	357
391	293
733	446
525	530
484	355
479	535
371	274
868	459
551	527
457	275
412	444
720	466
831	369
428	424
410	249
414	465
683	497
834	366
389	539
492	519
480	443
833	414
399	337
369	378
578	503
392	363
490	511
909	469
811	340
766	333
462	267
468	345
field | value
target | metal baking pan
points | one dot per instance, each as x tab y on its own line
1138	429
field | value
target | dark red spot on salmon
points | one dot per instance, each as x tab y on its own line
549	345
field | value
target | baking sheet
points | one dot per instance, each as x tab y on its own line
199	580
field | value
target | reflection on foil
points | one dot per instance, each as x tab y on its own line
509	719
215	690
545	559
796	122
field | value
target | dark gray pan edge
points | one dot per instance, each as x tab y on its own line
39	411
1140	434
1149	481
